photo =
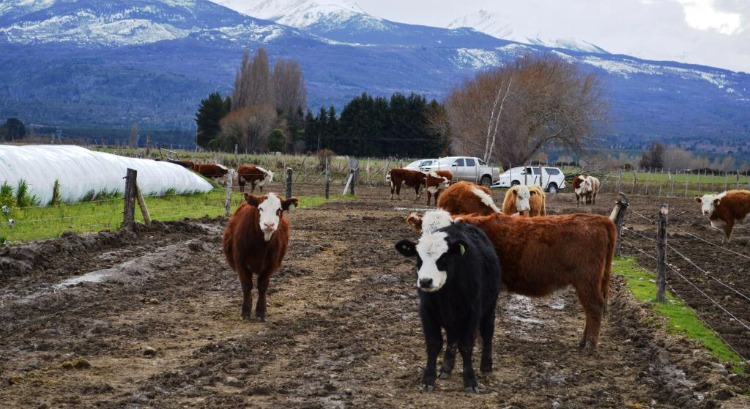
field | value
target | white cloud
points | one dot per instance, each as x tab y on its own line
703	15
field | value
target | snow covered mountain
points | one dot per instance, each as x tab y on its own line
496	25
124	22
109	64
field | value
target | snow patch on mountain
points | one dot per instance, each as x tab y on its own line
476	58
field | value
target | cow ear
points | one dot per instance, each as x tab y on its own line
717	201
458	247
698	200
252	200
414	221
290	203
407	248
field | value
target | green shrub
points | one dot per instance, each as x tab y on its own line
55	194
23	198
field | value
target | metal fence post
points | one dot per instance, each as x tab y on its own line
661	250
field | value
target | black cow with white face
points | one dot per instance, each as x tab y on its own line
458	280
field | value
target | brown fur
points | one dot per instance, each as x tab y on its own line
248	254
249	173
460	199
537	201
407	177
431	181
541	254
210	170
732	208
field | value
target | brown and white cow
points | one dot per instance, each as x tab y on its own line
586	187
256	175
467	198
726	209
211	170
254	242
435	182
398	177
525	200
539	255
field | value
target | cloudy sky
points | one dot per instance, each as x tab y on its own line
707	32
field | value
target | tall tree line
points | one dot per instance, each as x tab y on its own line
403	126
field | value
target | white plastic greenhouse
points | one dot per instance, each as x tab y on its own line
81	172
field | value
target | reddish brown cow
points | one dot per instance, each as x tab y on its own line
406	177
435	182
526	200
256	175
539	255
467	198
254	242
211	170
726	209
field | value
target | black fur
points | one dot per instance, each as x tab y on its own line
464	306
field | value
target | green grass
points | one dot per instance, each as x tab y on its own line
680	318
37	223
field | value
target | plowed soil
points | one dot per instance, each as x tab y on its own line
151	318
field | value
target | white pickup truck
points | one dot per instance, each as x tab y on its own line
550	178
467	168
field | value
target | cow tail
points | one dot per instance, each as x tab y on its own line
612	232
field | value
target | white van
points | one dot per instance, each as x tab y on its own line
550	178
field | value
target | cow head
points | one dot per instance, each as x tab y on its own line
268	178
708	203
435	253
431	221
270	211
442	181
521	196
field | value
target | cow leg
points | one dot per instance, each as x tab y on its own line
593	305
246	280
728	227
429	195
487	331
241	183
466	348
449	359
434	343
260	307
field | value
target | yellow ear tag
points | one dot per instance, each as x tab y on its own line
463	249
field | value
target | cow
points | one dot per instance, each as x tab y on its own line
725	209
254	242
586	188
467	198
256	175
435	182
458	281
211	170
406	177
539	255
525	200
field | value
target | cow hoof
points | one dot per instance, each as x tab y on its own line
471	389
444	375
427	388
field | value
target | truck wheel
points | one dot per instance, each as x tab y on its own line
515	183
486	181
552	188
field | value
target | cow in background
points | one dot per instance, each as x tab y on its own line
526	200
586	187
211	170
458	280
255	242
467	198
256	175
725	209
539	255
398	177
435	182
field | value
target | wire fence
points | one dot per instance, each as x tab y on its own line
721	299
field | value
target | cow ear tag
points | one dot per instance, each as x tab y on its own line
462	249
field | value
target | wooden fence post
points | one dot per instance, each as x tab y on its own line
621	205
328	177
142	205
661	250
228	198
128	218
289	183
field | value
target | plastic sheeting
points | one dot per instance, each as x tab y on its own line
81	171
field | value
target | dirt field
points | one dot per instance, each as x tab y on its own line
152	319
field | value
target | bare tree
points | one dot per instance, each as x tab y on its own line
134	136
536	102
250	126
289	87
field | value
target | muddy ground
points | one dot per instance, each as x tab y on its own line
152	319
